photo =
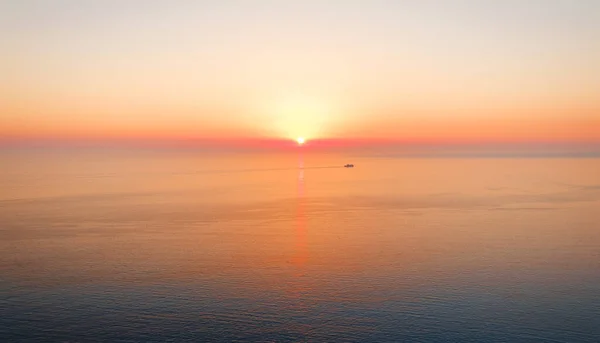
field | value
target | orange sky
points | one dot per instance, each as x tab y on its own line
432	71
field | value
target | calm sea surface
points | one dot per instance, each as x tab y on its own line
249	247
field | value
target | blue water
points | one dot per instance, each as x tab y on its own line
162	247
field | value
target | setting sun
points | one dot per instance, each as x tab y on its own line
242	170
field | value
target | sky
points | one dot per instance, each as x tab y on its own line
447	71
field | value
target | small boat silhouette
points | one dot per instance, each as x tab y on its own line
348	165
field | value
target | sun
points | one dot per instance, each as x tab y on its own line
300	140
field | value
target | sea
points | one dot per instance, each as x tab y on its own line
290	246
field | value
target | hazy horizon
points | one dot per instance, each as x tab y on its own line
375	148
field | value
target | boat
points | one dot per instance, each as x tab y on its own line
348	165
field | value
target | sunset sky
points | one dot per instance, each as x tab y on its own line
407	71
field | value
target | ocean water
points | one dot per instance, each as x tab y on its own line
291	247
